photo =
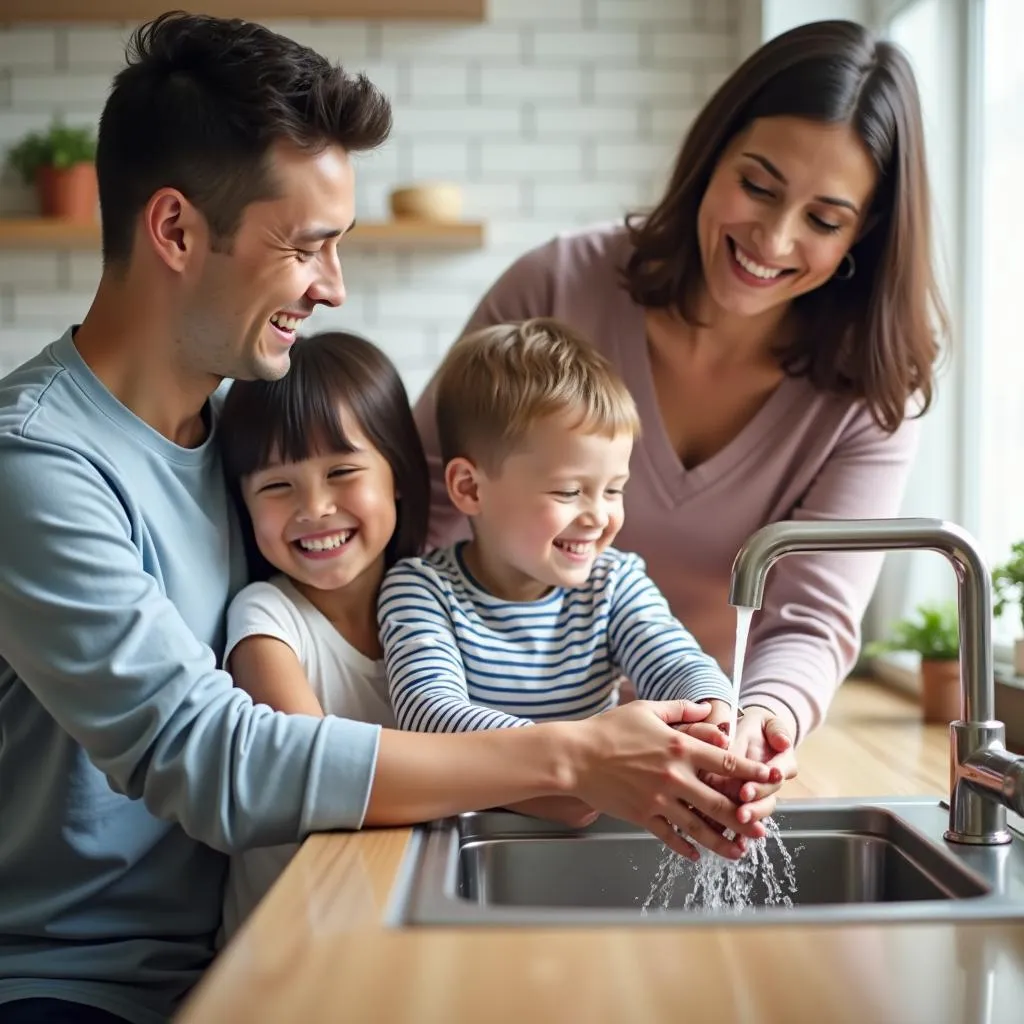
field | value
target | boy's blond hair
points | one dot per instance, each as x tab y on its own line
496	383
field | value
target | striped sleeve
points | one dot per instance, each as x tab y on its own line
653	648
426	676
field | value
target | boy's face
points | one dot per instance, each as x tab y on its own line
552	507
327	520
242	308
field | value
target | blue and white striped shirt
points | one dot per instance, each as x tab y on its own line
458	658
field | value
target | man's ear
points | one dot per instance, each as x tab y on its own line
462	479
174	228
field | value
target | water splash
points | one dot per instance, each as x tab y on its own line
715	884
743	619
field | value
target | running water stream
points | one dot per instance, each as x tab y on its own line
715	883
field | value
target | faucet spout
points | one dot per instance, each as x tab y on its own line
974	586
984	776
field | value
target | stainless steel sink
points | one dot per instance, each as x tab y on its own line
850	861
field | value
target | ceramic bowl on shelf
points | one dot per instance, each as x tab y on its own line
437	201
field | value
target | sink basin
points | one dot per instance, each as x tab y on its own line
833	861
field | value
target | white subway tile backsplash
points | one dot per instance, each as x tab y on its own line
382	163
83	271
663	12
573	121
384	76
14	125
533	12
511	238
535	83
552	114
431	39
493	199
19	344
441	160
615	158
601	200
22	47
438	81
704	47
96	48
540	161
672	122
347	42
36	91
579	46
37	308
29	269
722	15
644	83
415	119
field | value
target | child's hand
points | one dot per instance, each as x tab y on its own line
708	732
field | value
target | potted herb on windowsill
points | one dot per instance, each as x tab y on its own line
61	163
1008	584
934	633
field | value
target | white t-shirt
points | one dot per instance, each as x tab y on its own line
347	684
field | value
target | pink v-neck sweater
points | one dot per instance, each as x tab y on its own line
805	455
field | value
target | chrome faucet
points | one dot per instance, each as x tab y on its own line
985	778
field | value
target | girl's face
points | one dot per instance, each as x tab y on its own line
786	202
325	521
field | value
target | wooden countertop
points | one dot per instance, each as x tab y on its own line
315	950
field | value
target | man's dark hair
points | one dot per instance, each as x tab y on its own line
198	107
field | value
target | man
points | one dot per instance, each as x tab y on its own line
128	763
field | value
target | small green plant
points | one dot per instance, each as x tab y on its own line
59	146
934	632
1008	582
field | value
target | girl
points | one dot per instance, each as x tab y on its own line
328	465
332	480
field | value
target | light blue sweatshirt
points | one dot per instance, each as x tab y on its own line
129	764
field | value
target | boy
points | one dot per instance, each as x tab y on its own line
537	616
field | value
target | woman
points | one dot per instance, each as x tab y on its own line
776	317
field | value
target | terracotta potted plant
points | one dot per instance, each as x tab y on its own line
1008	583
61	162
934	633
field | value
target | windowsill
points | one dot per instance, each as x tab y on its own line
900	671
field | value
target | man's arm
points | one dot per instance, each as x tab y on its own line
88	631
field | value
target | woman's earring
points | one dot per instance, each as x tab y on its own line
847	267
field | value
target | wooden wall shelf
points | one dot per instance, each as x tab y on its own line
42	233
253	10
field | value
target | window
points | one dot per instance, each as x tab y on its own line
1000	340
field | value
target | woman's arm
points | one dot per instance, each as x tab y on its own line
806	637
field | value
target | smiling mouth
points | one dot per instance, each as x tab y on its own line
575	549
286	325
325	545
750	270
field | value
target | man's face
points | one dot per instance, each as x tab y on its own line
243	306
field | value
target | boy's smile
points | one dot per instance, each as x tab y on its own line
551	508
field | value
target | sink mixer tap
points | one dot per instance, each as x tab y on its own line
985	778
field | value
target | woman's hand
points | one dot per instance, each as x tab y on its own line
636	768
761	736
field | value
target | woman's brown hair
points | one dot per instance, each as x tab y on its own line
298	417
874	335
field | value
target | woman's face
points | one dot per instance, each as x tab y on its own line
786	201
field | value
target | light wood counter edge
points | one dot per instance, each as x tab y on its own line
317	948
